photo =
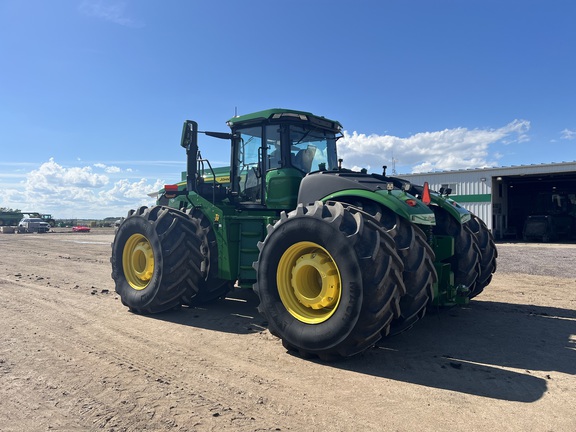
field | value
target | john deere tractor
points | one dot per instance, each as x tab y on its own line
337	258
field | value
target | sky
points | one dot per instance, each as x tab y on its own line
93	93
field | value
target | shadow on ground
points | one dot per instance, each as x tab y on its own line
467	349
471	350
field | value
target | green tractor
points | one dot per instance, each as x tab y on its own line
337	258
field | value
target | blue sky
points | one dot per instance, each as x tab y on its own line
93	93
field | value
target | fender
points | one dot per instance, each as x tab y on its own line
337	185
452	207
401	203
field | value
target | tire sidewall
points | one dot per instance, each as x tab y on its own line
311	337
133	298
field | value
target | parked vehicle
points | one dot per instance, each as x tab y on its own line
30	225
10	218
44	216
338	258
548	228
80	228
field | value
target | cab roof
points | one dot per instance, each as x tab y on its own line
279	114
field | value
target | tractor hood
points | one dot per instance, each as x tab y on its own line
349	185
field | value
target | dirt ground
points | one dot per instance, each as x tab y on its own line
73	358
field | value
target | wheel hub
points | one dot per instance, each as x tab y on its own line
315	280
138	261
309	282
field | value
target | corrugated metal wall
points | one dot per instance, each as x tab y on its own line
466	183
472	183
482	210
479	182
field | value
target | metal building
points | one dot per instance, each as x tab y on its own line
504	197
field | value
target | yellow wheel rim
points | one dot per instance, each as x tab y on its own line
309	282
138	261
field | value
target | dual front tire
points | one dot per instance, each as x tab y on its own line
329	280
488	254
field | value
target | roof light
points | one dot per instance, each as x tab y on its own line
406	186
288	114
389	186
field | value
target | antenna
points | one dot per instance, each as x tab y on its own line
235	111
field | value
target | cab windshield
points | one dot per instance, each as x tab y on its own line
312	149
276	146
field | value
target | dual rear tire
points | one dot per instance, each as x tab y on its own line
156	259
163	258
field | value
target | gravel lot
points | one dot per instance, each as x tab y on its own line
538	259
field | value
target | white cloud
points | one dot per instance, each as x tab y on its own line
109	169
51	176
448	149
77	191
114	12
568	134
124	189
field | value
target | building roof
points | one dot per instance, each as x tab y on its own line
554	167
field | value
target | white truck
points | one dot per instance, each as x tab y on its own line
29	225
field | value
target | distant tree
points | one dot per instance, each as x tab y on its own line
7	209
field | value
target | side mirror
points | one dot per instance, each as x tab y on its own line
189	134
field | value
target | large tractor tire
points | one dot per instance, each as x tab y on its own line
156	259
211	287
488	253
419	272
465	262
329	280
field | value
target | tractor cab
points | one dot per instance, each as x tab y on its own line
273	150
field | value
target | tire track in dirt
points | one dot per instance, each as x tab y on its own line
173	374
114	375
